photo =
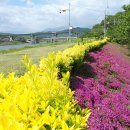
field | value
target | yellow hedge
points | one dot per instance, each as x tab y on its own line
39	100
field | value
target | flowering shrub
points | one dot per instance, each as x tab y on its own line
39	100
73	57
106	92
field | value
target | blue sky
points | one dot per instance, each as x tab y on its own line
25	16
24	2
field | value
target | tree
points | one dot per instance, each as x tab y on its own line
118	27
97	31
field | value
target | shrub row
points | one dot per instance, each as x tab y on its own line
105	89
39	100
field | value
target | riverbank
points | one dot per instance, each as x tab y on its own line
11	43
11	60
14	48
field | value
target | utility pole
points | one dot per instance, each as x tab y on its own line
107	8
105	25
31	38
114	21
105	22
69	25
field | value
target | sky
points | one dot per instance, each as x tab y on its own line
27	16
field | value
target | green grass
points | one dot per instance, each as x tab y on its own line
11	61
26	47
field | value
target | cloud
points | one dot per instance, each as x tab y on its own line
34	17
29	19
29	2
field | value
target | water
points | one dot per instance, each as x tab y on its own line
7	47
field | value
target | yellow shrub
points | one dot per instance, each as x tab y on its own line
39	100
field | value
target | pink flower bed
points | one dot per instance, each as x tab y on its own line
105	89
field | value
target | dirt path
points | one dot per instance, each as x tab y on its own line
120	50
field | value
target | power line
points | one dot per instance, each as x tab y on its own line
95	10
91	9
99	11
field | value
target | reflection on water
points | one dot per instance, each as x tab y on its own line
7	47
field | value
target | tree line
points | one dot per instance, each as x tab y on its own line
117	27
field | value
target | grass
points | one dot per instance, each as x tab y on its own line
26	47
11	61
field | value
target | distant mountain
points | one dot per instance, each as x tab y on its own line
64	29
56	29
62	32
77	30
50	32
5	33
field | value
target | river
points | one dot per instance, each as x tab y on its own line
7	47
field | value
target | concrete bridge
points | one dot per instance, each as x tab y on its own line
37	37
51	40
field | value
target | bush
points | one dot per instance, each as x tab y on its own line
39	99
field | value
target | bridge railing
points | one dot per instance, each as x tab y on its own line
57	39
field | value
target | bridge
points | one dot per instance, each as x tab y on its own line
38	37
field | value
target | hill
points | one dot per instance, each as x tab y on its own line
52	32
63	33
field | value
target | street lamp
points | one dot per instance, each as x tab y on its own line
70	27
